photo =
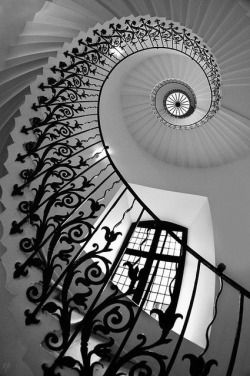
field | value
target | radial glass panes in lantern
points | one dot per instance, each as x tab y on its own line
177	103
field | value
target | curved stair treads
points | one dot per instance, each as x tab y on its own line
58	125
245	5
223	139
202	147
61	20
236	99
192	149
60	178
52	26
14	84
231	20
145	76
27	52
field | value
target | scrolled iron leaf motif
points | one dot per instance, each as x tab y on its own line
93	273
64	209
110	235
167	319
27	245
19	271
144	351
113	320
51	307
65	254
198	366
103	350
69	198
16	228
92	276
92	322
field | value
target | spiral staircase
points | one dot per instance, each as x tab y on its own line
83	76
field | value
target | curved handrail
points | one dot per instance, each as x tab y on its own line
64	183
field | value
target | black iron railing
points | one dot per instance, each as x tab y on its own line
79	216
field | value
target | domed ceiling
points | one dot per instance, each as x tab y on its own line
193	140
189	140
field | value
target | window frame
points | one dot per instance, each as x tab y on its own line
152	255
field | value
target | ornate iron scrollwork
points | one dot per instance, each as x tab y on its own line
198	366
72	186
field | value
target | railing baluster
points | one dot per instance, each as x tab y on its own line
178	345
237	336
64	272
95	52
119	360
87	318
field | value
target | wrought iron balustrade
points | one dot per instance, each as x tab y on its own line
79	219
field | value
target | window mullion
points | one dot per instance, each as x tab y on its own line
179	272
147	268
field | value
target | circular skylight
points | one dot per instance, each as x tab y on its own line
174	102
177	103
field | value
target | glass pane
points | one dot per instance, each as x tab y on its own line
157	280
121	277
155	288
162	264
166	272
149	305
160	271
162	289
160	298
141	240
152	296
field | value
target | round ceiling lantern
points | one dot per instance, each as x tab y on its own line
173	100
179	100
177	103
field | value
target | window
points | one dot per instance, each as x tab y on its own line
148	246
